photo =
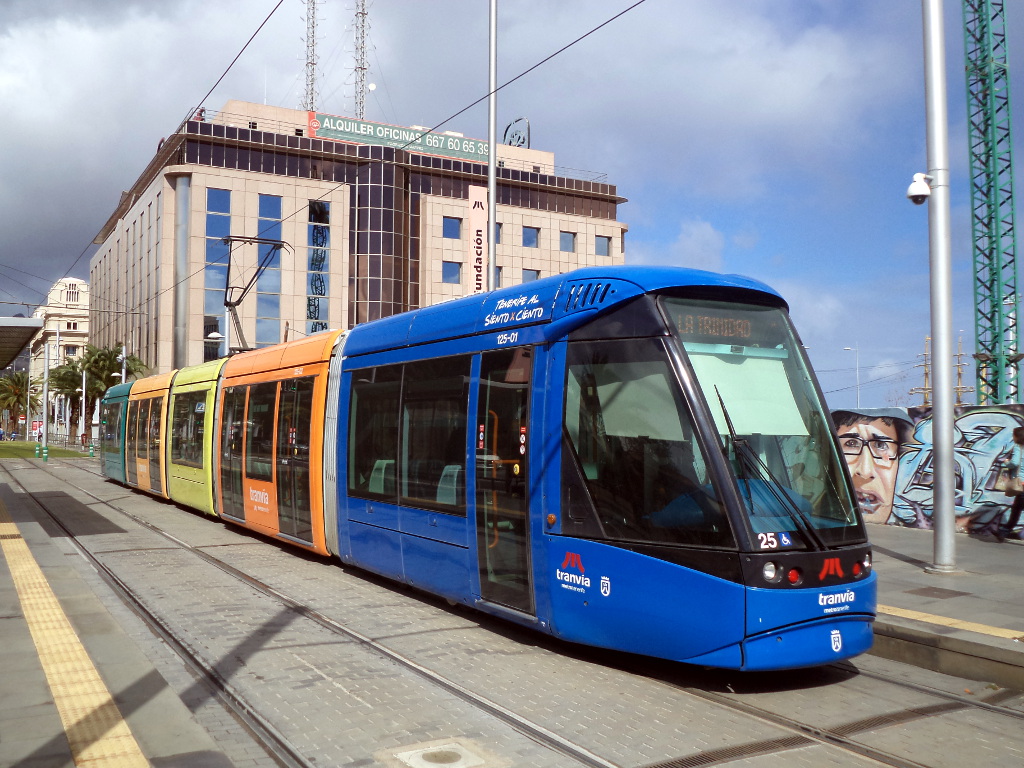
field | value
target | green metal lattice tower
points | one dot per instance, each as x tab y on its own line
994	236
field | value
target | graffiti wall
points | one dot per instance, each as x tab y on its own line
889	452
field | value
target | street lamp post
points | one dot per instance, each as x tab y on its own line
856	352
941	288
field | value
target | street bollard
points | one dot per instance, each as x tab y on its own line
46	453
37	450
91	454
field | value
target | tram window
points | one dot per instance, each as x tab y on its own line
188	425
433	456
110	435
142	436
259	432
373	432
634	443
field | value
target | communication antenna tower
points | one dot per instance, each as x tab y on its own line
995	238
362	27
310	97
926	390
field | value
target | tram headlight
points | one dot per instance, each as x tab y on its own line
771	572
863	566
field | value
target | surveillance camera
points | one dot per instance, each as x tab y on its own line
919	191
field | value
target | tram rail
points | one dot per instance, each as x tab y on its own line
846	736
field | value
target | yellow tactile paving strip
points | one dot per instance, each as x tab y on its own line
96	732
945	621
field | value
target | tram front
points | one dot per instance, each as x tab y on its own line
706	491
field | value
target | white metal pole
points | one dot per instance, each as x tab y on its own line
85	399
492	119
46	393
944	511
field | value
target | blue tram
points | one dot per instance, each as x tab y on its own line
634	458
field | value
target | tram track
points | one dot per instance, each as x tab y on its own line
276	744
841	736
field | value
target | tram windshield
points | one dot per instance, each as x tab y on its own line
748	365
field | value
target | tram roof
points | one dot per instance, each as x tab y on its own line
572	297
15	334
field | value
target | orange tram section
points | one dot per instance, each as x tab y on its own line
254	412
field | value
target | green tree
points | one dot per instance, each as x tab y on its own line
101	363
14	387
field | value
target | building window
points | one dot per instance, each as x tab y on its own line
70	350
218	226
268	284
451	272
603	246
218	200
451	228
497	276
71	326
567	242
497	233
71	295
531	237
529	275
318	266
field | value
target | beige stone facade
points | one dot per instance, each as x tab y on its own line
367	223
65	317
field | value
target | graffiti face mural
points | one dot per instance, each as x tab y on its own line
871	445
890	457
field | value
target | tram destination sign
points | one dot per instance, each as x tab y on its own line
347	129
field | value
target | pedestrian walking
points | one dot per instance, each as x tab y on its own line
1018	501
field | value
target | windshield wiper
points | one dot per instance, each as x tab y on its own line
746	456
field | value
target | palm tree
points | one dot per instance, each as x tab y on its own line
14	387
101	363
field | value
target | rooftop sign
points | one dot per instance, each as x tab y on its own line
336	128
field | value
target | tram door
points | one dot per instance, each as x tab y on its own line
232	423
131	443
294	422
156	408
503	500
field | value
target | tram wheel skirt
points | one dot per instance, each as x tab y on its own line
809	644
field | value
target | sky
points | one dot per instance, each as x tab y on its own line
770	138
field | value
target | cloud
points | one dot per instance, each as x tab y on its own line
698	246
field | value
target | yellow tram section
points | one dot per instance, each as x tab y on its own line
96	731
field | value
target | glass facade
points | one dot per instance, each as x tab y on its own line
268	284
318	266
218	226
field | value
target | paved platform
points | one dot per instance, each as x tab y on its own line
53	709
968	623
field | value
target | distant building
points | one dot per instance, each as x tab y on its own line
65	317
371	220
63	337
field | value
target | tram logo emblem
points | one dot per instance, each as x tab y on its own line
575	582
837	641
572	560
606	586
832	567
